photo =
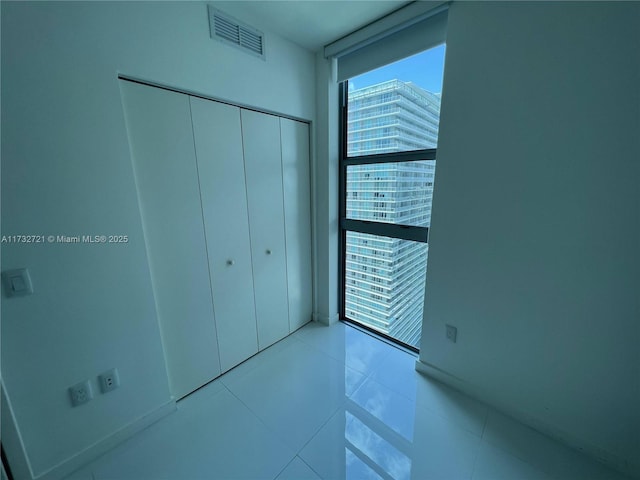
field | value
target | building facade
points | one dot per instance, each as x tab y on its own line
385	277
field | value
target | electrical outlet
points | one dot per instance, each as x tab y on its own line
109	380
452	333
80	393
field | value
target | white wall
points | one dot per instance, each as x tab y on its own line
326	191
534	243
66	169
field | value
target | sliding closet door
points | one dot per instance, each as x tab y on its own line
159	126
262	156
217	136
297	208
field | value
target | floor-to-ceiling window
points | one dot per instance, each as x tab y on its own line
390	119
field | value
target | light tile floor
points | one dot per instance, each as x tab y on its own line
337	403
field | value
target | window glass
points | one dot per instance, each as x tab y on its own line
384	287
398	192
392	109
396	108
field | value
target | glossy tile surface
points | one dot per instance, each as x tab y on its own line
295	391
337	403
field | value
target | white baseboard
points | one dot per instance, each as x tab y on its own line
326	320
103	446
610	460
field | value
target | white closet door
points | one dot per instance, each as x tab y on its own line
159	125
218	139
262	157
297	202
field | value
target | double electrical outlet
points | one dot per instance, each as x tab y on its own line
82	392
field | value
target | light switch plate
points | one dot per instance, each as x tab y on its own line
17	283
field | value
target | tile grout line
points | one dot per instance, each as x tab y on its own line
365	374
276	434
484	425
331	415
269	429
476	457
310	467
285	467
244	363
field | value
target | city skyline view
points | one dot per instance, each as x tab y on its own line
424	69
385	277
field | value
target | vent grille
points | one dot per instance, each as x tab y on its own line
229	30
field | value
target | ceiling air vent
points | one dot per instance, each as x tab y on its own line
229	30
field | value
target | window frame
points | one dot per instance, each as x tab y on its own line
403	232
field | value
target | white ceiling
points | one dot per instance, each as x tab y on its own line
311	24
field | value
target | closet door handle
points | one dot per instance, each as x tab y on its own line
230	262
268	252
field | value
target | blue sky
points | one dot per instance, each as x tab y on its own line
424	69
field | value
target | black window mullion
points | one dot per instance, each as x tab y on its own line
342	200
392	230
411	156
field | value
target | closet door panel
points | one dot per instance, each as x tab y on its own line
160	135
262	156
218	139
297	202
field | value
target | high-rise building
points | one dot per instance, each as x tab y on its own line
385	277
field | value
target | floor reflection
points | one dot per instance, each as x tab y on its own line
335	403
378	423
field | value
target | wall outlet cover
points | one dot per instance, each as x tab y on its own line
80	393
452	333
109	380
